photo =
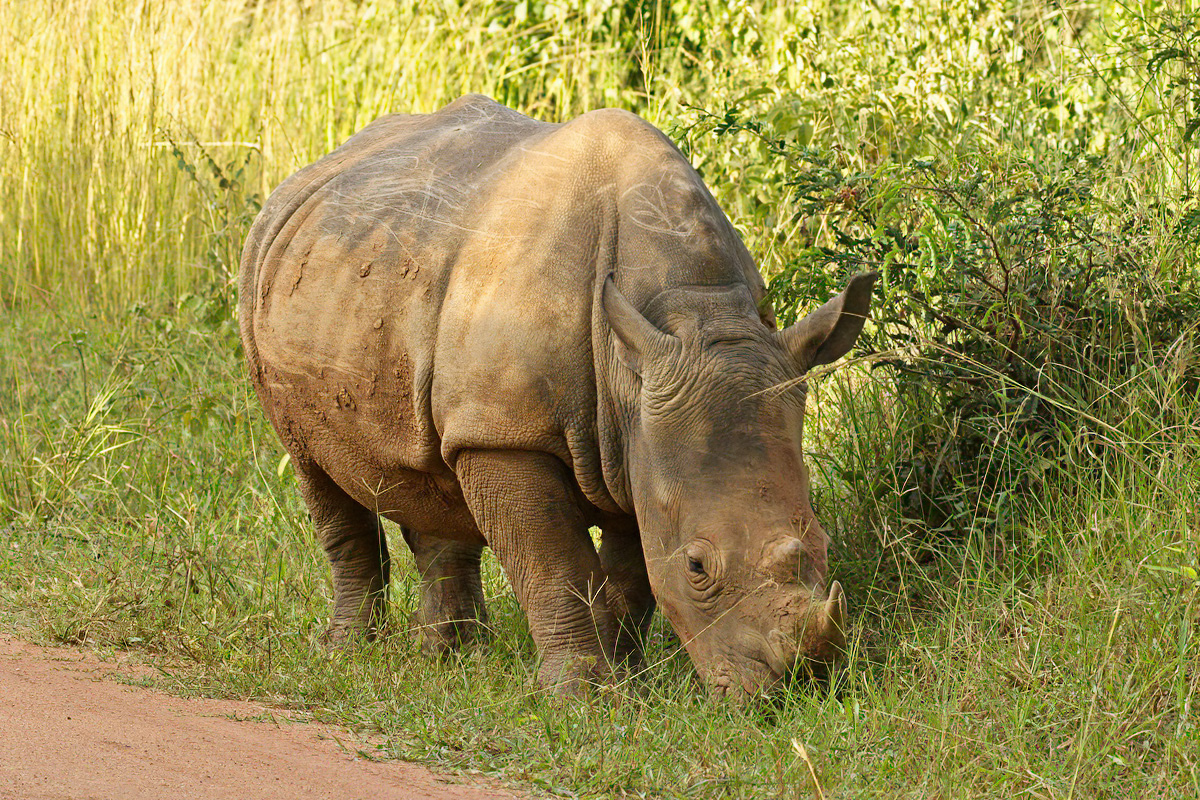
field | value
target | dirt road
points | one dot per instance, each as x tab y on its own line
67	730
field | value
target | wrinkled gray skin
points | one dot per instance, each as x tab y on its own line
496	331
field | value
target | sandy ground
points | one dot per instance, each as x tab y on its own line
68	730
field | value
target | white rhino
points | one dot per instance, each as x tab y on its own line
500	332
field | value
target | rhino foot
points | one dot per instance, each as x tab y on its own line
573	675
438	639
340	636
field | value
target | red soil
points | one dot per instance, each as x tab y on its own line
67	730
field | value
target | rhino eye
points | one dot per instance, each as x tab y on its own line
694	566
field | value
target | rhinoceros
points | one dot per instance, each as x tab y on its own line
501	332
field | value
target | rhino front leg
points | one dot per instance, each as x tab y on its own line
452	611
628	588
525	506
355	544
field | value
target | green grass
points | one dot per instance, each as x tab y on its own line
149	513
144	504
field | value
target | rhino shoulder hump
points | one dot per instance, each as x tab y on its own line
474	100
618	130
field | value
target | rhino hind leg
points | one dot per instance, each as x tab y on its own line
452	611
526	506
627	589
356	546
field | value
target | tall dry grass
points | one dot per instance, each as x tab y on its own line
98	101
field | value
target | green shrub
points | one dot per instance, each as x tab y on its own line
1016	310
1037	310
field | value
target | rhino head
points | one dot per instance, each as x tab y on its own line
736	558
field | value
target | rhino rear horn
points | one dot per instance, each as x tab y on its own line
638	339
828	333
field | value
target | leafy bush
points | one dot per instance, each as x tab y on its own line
1016	310
1038	302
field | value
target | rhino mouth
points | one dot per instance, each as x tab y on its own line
741	677
756	668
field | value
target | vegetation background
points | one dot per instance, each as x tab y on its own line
1008	467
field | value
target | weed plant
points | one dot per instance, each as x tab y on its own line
1008	467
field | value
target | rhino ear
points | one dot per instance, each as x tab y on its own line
828	333
637	338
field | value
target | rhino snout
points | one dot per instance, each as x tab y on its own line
819	639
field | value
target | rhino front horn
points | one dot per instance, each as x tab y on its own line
835	616
832	626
